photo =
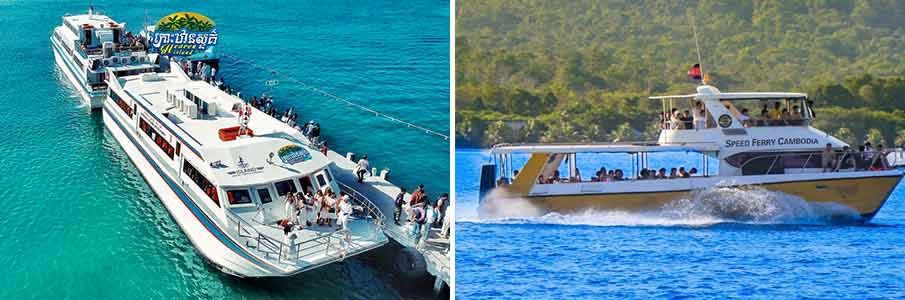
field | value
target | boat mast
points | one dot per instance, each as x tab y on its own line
694	29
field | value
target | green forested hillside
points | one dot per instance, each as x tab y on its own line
581	70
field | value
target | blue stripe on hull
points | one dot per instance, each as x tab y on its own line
191	205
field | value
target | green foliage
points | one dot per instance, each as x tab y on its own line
187	21
581	70
875	137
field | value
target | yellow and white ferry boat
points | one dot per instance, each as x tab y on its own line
778	151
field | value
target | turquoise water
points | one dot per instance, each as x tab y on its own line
81	223
717	244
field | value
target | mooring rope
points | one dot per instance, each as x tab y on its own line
340	99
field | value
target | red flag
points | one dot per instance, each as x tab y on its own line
695	72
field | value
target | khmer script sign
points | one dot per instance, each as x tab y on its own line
182	34
291	154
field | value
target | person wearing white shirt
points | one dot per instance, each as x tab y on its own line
362	167
345	210
699	116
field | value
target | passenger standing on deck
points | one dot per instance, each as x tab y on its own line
418	217
344	211
315	133
310	208
700	121
442	202
362	167
290	211
324	148
828	158
430	215
400	200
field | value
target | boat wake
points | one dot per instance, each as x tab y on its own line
705	207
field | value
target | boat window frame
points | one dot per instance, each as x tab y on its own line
258	190
229	198
294	186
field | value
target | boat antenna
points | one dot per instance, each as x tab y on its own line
697	45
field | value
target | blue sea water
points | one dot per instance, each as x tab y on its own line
778	248
79	222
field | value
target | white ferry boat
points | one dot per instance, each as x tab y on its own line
224	182
779	151
86	46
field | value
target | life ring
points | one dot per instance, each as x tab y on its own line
133	59
106	62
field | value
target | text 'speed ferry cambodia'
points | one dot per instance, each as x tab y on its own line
761	140
86	46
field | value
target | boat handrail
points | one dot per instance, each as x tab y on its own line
275	248
859	165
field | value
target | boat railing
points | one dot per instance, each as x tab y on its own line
337	243
842	161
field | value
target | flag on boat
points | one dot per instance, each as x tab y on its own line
695	72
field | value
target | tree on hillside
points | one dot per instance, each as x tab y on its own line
875	137
846	135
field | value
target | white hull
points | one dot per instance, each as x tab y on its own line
95	100
213	248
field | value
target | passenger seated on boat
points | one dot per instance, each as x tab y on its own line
610	175
692	172
617	175
879	161
847	161
682	172
577	177
662	173
687	120
744	118
673	173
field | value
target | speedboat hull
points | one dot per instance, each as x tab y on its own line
864	192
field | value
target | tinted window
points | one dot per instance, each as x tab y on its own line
284	187
264	195
320	180
306	183
238	196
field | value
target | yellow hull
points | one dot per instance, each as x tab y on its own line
865	195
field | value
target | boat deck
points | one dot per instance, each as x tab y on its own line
383	193
314	246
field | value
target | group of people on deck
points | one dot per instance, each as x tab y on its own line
866	158
421	213
696	118
604	175
322	208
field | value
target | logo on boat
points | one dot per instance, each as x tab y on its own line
292	154
183	34
725	121
244	168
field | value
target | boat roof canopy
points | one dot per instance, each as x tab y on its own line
706	92
599	148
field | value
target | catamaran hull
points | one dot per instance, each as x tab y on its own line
208	237
92	99
866	194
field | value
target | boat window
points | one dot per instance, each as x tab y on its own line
156	137
320	180
329	176
238	196
306	184
121	103
285	187
205	185
264	195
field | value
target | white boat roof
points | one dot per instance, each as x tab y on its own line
95	20
203	133
603	147
707	92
